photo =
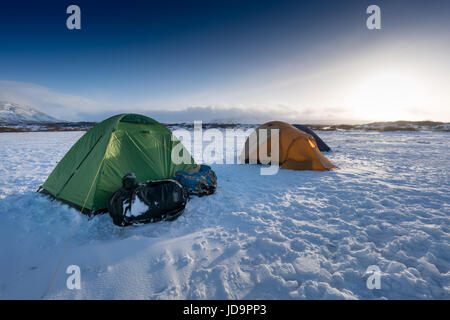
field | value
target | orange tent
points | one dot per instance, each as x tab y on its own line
297	149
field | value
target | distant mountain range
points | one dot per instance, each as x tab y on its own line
13	113
18	118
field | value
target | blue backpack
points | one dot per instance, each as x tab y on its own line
199	181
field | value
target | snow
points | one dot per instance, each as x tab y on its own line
138	207
15	113
294	235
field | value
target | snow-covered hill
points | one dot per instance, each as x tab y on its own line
15	113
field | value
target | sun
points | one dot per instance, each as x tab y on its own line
388	96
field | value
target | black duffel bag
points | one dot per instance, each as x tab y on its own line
145	202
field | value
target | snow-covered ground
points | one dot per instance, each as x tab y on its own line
294	235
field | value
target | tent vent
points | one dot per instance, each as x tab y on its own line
135	118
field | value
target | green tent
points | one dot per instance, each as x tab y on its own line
93	168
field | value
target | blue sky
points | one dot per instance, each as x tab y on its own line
185	60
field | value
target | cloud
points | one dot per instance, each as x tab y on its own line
76	108
59	105
220	114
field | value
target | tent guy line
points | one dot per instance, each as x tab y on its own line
72	233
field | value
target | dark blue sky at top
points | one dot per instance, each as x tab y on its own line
145	49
